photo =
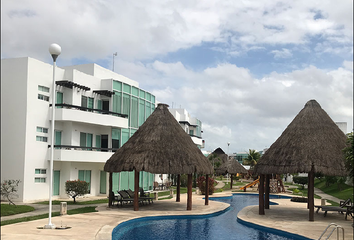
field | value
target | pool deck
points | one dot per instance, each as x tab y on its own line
287	216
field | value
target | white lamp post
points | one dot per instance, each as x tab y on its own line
228	144
114	54
54	50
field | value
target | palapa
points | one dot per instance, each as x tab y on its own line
312	143
312	138
160	145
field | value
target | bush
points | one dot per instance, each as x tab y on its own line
300	180
184	180
9	190
201	182
76	188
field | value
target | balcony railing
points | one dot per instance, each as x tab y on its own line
69	147
194	136
69	106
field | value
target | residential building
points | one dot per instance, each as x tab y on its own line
96	112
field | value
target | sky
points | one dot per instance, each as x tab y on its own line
244	68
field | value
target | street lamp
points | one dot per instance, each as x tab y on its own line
228	144
54	50
114	54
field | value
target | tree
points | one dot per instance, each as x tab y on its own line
76	188
201	182
252	158
300	180
9	190
348	154
215	161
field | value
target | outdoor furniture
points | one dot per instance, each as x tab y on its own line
146	195
125	197
115	198
344	207
141	199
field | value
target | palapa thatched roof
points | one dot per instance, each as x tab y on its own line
311	138
232	166
227	166
160	145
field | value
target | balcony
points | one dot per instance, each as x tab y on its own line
197	140
67	112
65	153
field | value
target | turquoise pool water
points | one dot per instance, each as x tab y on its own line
221	225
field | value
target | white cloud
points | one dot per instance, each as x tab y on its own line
284	53
146	29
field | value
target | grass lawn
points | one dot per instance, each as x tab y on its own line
345	193
7	210
71	202
54	214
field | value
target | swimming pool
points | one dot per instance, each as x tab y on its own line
221	225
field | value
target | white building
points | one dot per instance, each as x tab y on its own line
191	126
97	113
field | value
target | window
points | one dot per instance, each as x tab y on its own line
191	132
43	88
41	139
39	180
86	102
42	129
40	171
42	97
85	140
85	175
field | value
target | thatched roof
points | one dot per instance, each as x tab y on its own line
311	138
160	145
227	166
232	166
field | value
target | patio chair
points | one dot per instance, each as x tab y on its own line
141	199
115	198
146	195
124	197
344	207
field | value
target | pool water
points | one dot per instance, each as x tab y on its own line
222	225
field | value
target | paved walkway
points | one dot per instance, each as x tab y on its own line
326	196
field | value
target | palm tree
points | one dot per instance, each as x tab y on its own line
252	158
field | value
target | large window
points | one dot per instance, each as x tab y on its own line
87	102
85	175
85	140
134	113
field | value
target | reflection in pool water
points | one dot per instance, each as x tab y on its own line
222	225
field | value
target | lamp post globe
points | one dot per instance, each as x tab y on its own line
54	49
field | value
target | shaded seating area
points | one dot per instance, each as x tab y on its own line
312	143
127	196
160	146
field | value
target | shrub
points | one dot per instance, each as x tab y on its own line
184	180
201	182
9	189
300	180
76	188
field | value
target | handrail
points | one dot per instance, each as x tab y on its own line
89	109
69	147
336	227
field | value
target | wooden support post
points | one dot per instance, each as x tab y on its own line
261	195
310	190
231	182
110	199
266	200
189	192
178	194
136	191
207	189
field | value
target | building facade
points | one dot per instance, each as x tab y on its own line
97	111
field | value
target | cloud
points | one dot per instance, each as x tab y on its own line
249	112
145	29
284	53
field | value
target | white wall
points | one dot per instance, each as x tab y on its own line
13	126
